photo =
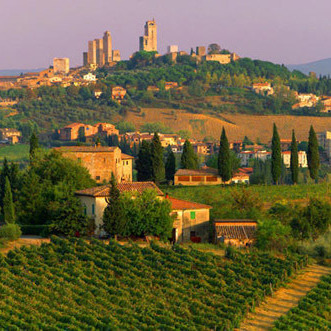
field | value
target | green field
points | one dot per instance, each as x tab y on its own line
313	311
15	153
219	197
77	285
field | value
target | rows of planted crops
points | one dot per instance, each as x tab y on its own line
78	285
313	311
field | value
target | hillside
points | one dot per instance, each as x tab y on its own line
73	284
237	125
321	67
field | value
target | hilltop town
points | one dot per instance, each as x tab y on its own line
167	191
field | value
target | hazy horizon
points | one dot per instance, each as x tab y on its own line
289	32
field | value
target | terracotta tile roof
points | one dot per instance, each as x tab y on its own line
178	204
87	149
236	228
72	125
200	172
126	156
236	232
103	191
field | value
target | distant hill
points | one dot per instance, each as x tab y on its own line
321	67
16	72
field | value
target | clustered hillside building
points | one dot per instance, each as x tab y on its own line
61	65
74	131
101	161
191	220
247	156
10	136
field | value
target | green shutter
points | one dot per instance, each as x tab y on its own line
93	209
192	215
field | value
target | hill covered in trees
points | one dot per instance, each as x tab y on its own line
207	88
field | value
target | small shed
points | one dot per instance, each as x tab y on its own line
236	232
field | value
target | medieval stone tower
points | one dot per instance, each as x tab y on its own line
107	47
148	42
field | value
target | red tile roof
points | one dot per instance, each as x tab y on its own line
178	204
72	125
126	157
103	191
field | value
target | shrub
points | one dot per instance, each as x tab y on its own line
10	231
37	230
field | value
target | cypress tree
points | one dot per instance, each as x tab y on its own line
189	160
5	172
276	156
8	205
170	166
158	170
224	158
313	157
294	166
34	143
113	216
144	162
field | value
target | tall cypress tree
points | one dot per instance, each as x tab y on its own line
34	143
113	215
144	162
170	166
294	166
189	160
224	158
313	157
276	156
158	170
5	172
8	205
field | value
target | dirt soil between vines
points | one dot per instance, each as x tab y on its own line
284	299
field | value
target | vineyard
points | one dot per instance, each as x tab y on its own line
72	284
313	311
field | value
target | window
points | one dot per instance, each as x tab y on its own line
192	215
97	177
192	234
93	209
85	210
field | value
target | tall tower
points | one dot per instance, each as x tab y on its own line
148	42
107	47
92	52
99	52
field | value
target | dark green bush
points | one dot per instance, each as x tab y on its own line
10	231
37	230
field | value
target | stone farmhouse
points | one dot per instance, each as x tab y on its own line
10	136
101	161
209	176
191	219
324	140
240	232
263	88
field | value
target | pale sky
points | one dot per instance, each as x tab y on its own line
33	32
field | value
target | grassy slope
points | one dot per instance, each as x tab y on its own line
237	126
220	197
14	152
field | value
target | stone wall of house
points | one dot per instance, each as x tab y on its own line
100	164
188	224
